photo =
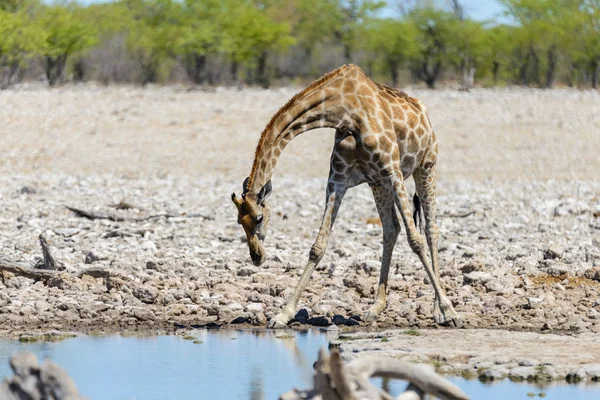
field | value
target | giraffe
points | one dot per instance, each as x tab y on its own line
382	137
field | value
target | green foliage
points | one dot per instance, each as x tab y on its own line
582	31
250	40
248	31
65	32
250	34
539	37
314	21
19	40
350	15
199	36
10	5
496	51
435	28
153	28
392	43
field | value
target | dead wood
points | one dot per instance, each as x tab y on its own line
47	262
335	381
92	215
26	270
98	272
123	233
459	215
46	269
95	215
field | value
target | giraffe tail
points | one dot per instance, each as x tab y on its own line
417	213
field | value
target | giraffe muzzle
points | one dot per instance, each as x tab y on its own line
257	258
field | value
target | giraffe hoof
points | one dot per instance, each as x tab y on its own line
455	322
278	322
371	316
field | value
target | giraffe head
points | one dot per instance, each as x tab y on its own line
254	215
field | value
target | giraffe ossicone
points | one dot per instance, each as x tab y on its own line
382	137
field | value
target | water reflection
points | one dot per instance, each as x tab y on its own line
226	364
257	391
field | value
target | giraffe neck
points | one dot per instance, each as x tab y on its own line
310	109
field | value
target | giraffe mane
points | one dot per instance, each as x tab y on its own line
263	137
399	93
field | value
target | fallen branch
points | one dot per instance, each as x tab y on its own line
45	269
92	215
95	215
459	215
23	269
97	272
335	381
47	262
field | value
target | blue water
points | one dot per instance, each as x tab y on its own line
227	365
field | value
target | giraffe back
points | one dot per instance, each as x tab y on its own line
389	121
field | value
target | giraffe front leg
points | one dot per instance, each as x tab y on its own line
391	228
335	193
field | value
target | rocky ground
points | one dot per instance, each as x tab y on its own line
519	213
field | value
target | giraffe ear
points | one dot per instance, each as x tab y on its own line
264	193
245	187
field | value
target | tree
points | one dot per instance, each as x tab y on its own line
582	25
249	35
541	23
497	50
392	42
350	16
313	23
19	40
10	5
435	28
64	33
153	30
199	36
466	44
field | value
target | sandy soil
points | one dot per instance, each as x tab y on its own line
519	206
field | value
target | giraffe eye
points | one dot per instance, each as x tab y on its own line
259	218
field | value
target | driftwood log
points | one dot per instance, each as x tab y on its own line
334	380
48	268
34	381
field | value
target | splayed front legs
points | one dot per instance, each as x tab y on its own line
334	196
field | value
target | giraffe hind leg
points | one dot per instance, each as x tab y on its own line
425	183
446	314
